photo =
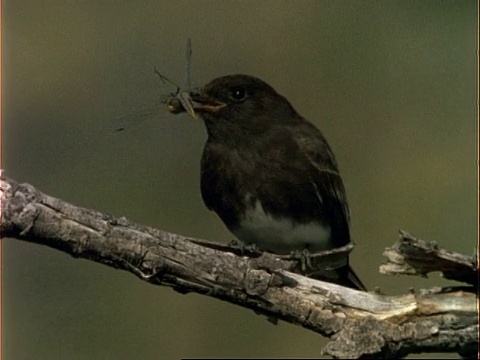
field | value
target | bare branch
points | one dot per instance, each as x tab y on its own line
412	256
359	324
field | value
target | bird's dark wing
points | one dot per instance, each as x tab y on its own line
330	193
325	179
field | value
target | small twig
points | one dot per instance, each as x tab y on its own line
413	256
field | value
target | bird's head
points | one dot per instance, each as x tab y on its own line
240	101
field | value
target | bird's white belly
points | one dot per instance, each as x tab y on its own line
281	235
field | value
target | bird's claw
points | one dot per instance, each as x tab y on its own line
304	257
244	248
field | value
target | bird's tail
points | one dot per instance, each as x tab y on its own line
349	278
344	276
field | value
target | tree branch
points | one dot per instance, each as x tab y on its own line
359	324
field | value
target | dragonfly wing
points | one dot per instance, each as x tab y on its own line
187	64
127	121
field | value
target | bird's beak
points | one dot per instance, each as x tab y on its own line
205	103
194	101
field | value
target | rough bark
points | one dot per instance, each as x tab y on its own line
359	324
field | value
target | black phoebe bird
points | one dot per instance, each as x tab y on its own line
267	172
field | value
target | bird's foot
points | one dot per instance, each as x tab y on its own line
243	248
304	257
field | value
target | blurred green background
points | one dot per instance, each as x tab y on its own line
392	84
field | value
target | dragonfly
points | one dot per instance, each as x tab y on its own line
175	102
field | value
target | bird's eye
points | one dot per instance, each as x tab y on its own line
238	94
